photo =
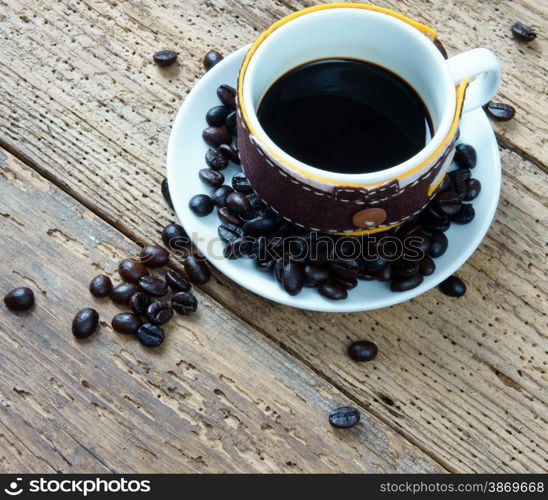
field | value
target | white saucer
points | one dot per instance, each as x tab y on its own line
185	157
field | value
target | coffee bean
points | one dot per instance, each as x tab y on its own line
159	312
215	136
100	286
220	195
473	188
449	202
154	256
122	293
374	265
238	248
227	217
241	184
465	215
184	303
231	123
292	278
139	302
229	232
439	225
165	58
427	266
407	283
348	283
500	111
345	268
215	159
465	156
127	323
385	274
453	286
460	189
438	244
231	153
174	237
419	243
362	350
265	266
150	335
201	205
315	274
344	417
278	270
262	225
130	270
333	290
154	287
166	194
211	177
403	267
227	95
176	281
85	323
523	33
19	299
211	59
216	116
238	203
197	270
440	47
460	175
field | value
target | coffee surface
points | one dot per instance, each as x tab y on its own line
345	115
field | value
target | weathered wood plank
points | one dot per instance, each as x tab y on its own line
217	396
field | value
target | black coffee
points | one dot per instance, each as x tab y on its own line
345	115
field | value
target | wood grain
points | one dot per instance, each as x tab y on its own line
216	397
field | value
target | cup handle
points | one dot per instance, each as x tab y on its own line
481	65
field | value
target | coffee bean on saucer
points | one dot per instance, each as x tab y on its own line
500	111
241	184
201	205
159	312
345	268
453	286
216	159
238	203
460	175
85	323
227	217
155	287
184	303
229	232
227	95
211	59
427	266
220	195
216	116
261	225
211	177
405	268
440	47
344	417
473	188
231	153
130	270
215	136
449	202
165	193
465	156
19	299
438	244
197	270
373	265
362	350
174	236
315	274
231	123
465	215
100	286
139	302
239	248
150	335
333	290
523	33
165	58
127	323
348	283
385	274
407	283
122	293
154	256
176	281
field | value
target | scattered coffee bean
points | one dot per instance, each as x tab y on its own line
473	188
220	195
227	95
404	284
155	287
211	177
122	293
362	350
227	217
154	256
211	59
100	286
440	47
216	159
165	193
184	303
465	215
165	58
127	323
130	270
150	335
19	299
523	33
201	205
174	237
85	323
139	302
241	184
231	153
500	111
176	281
238	203
438	244
215	136
231	123
427	266
465	156
344	417
453	286
197	270
159	312
333	290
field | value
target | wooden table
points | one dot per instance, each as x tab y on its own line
245	385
